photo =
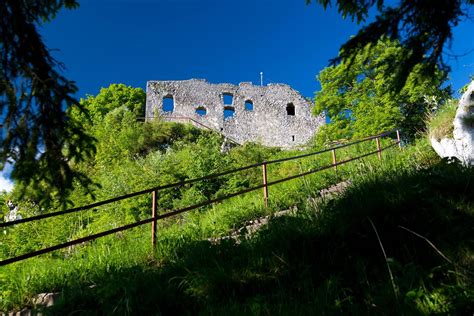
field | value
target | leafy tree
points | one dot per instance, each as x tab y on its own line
108	99
133	155
357	96
38	137
423	28
120	136
3	205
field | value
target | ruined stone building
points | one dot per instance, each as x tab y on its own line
273	115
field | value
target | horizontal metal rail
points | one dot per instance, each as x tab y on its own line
185	182
332	148
185	209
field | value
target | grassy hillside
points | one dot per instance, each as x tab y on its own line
397	241
326	258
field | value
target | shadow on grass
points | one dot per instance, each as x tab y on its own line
320	261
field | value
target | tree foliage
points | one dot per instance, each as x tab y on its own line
108	99
38	137
359	101
423	28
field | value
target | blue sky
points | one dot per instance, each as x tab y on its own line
125	41
133	41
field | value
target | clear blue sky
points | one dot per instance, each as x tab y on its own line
132	41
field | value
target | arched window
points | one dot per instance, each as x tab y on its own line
228	98
290	109
229	112
168	103
248	105
201	111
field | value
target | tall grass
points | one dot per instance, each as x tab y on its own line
440	123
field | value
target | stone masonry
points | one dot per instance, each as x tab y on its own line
273	115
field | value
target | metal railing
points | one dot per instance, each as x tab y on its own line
154	191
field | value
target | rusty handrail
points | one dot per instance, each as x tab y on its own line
332	148
181	183
155	217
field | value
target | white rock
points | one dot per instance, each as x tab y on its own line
461	145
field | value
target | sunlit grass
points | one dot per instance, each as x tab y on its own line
440	123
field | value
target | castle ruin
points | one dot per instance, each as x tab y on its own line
273	115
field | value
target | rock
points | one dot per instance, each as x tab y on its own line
45	299
12	215
25	312
461	145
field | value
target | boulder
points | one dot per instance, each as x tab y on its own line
461	144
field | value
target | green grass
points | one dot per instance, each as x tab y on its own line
440	124
325	259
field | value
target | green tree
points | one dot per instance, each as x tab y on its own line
359	101
38	137
120	135
3	205
110	98
422	27
113	121
127	148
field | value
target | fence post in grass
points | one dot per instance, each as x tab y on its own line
153	215
398	140
265	186
334	160
379	151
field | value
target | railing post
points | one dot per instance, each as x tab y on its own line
153	215
265	186
398	140
379	151
334	160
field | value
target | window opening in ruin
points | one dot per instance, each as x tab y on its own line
168	103
201	111
228	98
229	112
290	109
293	137
249	105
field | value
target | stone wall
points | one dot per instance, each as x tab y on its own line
273	115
